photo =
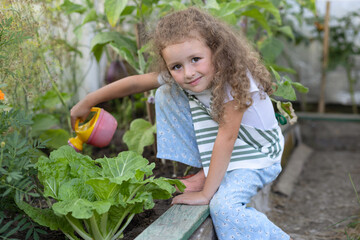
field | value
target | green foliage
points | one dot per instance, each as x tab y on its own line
37	60
264	26
18	154
140	135
284	88
103	195
344	49
113	9
10	227
48	119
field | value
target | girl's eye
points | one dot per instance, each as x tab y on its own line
195	59
176	67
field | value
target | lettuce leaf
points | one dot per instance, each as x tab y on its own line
99	197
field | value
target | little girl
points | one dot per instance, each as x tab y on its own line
212	111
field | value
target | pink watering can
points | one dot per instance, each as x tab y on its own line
97	132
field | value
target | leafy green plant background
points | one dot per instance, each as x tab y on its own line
41	55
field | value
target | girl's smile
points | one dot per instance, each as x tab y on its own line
190	64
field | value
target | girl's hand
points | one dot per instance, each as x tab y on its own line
80	111
191	198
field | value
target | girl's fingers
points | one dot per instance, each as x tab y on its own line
190	198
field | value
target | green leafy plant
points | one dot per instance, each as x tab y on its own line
140	135
344	49
48	120
96	199
284	88
11	226
18	153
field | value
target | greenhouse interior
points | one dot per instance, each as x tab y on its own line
116	119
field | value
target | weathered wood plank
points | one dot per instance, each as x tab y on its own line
288	178
339	117
206	231
177	223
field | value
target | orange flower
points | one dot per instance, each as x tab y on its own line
2	95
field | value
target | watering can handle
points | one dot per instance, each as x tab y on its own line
93	109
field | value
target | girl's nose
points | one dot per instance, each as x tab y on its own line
189	71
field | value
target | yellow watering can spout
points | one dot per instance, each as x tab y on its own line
76	143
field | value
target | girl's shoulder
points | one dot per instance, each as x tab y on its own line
253	84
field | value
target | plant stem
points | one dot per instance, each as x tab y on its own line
113	231
95	229
79	229
125	225
54	84
352	183
103	223
70	237
1	156
351	89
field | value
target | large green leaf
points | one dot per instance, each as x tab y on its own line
90	16
140	135
82	166
55	138
124	166
61	166
126	54
271	49
212	4
51	187
50	100
259	17
268	6
160	189
81	208
76	188
287	31
52	170
230	7
46	217
103	188
286	91
280	68
143	200
113	9
103	38
301	88
69	7
43	122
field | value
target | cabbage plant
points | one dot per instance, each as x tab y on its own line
96	199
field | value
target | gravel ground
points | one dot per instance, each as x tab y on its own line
323	199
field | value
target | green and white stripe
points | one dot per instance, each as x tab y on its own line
254	148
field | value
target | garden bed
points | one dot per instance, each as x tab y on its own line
323	202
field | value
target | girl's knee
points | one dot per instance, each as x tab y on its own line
219	205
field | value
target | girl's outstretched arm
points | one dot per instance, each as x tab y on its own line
221	154
118	89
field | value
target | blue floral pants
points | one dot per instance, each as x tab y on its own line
231	217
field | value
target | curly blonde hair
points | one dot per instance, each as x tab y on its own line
232	55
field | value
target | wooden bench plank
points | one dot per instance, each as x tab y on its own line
178	223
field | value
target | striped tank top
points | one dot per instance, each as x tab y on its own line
254	148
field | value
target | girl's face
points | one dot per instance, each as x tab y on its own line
190	64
